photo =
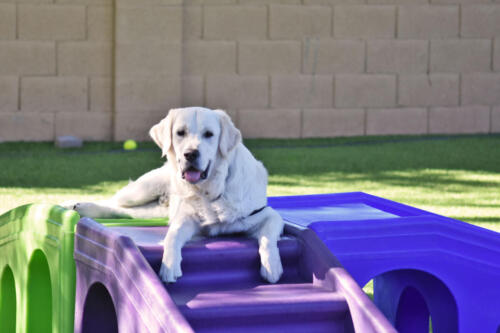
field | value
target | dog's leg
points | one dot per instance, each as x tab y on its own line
267	233
178	234
147	188
106	209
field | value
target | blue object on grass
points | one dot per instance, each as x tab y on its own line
423	265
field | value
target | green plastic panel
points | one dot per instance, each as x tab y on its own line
134	222
38	271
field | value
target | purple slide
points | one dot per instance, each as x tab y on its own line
220	291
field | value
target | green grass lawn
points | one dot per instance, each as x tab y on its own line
455	176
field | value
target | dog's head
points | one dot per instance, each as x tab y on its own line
194	138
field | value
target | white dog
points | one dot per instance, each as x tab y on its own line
212	183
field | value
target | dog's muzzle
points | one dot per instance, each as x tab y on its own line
194	175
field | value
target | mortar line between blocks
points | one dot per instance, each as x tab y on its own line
88	93
16	35
19	93
365	120
491	120
492	64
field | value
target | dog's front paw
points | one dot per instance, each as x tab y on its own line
170	269
87	209
271	268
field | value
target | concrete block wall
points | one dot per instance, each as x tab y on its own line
282	68
56	69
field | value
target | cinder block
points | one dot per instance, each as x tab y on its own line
270	123
148	58
192	22
49	94
397	2
365	90
155	2
269	57
333	2
396	121
482	21
270	2
481	89
235	92
85	2
136	125
193	92
302	91
7	21
496	55
297	21
235	22
27	58
333	122
90	126
333	56
28	1
466	119
100	23
428	21
460	55
68	141
134	94
157	24
8	93
209	2
206	57
429	90
364	21
26	126
85	58
397	56
101	94
52	22
495	120
452	2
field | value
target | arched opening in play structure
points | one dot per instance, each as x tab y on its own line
99	315
39	293
413	315
8	303
415	301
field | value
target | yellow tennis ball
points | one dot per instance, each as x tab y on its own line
130	145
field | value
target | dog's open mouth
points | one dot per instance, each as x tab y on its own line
193	175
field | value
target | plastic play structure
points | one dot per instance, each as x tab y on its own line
60	273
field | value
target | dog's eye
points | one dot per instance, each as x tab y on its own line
181	132
208	134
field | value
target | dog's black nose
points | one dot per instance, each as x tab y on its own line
192	155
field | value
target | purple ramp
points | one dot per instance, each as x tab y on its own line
220	290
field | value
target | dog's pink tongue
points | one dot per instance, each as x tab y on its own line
192	176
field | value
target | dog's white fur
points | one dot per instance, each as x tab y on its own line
235	186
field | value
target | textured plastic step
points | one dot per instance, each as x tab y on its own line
218	261
263	307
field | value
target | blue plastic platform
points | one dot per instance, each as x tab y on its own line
423	265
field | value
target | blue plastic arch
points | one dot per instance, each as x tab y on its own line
409	296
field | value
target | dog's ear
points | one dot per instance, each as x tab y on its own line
230	136
161	133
